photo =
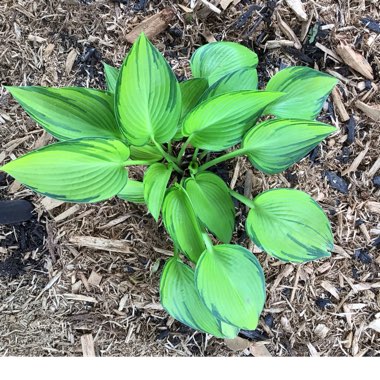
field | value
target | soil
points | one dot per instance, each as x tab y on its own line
54	293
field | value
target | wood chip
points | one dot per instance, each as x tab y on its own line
66	214
276	44
226	3
355	60
328	51
115	222
70	60
312	350
297	7
237	344
359	158
340	108
79	297
330	288
375	325
94	279
374	168
288	32
88	348
38	39
321	331
50	203
50	284
211	6
101	244
373	206
372	112
258	349
152	26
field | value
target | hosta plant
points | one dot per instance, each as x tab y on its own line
179	132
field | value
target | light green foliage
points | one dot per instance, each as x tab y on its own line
274	145
231	283
148	97
133	191
83	170
111	73
242	79
175	132
180	298
212	203
219	123
303	232
306	91
181	223
215	60
156	180
70	112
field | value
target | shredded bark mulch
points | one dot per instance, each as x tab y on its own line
83	279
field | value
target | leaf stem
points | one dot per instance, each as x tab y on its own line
203	154
225	157
207	241
195	154
241	198
183	149
168	157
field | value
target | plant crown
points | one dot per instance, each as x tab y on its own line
146	117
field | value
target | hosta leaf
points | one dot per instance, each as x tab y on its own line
83	170
219	123
274	145
148	97
180	299
69	112
231	283
145	153
306	91
290	225
212	204
133	191
242	79
111	74
192	91
216	59
156	180
181	223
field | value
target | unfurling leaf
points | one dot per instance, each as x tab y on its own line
83	170
306	91
133	191
111	74
69	112
181	223
212	204
242	79
148	97
219	123
156	180
231	283
180	299
274	145
216	59
302	230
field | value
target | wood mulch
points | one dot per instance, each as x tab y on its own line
83	279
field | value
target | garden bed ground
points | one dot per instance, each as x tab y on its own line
58	297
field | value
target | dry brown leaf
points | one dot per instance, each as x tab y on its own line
355	60
258	349
237	344
298	8
70	60
372	112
